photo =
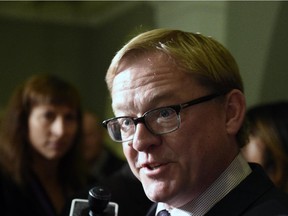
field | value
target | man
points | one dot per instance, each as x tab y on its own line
179	105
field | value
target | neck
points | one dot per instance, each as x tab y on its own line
47	172
44	167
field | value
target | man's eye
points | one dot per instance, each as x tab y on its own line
126	125
164	113
126	122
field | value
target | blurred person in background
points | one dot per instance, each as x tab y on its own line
39	148
268	140
100	161
127	192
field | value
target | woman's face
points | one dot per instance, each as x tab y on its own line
52	130
254	151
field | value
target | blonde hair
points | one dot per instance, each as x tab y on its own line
199	55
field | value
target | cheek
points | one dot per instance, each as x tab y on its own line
37	140
131	156
129	152
35	133
198	139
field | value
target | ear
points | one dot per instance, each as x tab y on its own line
235	111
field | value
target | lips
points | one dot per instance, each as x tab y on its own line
155	169
56	145
152	166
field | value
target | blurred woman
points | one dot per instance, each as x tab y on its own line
39	145
268	140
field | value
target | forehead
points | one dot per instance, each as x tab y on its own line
148	78
150	65
51	107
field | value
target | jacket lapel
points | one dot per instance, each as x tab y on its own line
244	195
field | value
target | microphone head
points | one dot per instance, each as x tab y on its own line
98	199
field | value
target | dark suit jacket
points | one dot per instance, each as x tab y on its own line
15	200
255	195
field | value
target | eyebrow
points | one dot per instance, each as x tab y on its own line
152	102
159	98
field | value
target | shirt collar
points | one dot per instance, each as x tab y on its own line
236	172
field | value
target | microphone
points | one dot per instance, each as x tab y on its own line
98	204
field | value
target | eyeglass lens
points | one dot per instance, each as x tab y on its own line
158	121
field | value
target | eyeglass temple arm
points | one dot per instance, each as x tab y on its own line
200	100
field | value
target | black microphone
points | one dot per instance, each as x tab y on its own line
98	204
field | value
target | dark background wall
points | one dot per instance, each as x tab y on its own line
77	40
275	81
257	35
79	52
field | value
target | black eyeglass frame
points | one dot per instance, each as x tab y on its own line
177	108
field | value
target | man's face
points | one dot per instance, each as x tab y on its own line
174	168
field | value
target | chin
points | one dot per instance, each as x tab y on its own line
54	156
157	191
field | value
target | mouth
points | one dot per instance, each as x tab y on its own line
154	170
56	145
152	166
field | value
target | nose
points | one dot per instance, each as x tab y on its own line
58	127
143	139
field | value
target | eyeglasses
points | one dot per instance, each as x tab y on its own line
158	121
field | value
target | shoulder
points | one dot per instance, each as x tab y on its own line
16	199
255	195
